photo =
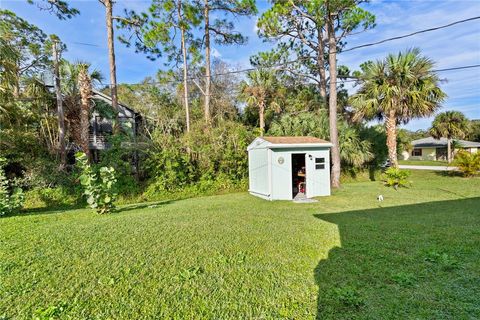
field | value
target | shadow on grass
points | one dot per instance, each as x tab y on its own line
47	210
143	205
60	209
449	173
404	262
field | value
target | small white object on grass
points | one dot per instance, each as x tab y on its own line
380	198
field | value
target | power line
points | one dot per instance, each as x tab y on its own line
342	80
458	68
411	34
346	50
86	44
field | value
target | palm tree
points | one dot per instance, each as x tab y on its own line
450	125
260	89
354	151
70	74
85	85
397	89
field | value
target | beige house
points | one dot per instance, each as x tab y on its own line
436	149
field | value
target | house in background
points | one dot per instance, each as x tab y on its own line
286	168
436	149
101	126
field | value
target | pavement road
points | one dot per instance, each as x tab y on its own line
435	168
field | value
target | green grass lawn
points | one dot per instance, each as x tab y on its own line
423	162
414	256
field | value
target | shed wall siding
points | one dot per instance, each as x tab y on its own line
258	171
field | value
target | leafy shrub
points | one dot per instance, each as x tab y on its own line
396	178
98	185
11	196
206	186
468	163
200	162
119	156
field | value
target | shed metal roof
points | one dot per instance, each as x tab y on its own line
293	140
287	142
442	143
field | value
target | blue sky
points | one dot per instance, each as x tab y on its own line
451	47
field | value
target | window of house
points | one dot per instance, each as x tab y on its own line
319	163
417	152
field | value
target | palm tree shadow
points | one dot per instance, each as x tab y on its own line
380	270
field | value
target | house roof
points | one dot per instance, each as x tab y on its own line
108	99
287	142
441	143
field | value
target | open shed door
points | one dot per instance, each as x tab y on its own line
310	176
318	174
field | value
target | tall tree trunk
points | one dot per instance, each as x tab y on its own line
185	69
449	150
321	64
85	85
60	113
111	58
261	116
207	62
391	129
332	102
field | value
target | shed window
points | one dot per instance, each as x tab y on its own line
417	152
319	163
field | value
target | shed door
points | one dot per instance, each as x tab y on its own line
317	174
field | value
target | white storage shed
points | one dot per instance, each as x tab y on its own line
287	168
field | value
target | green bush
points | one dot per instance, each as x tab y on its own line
396	178
119	156
11	196
98	185
201	162
468	163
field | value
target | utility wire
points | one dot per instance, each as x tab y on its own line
86	44
279	66
458	68
411	34
342	80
